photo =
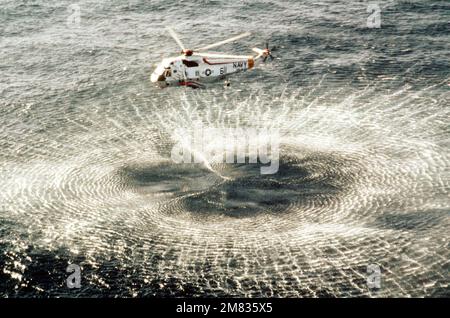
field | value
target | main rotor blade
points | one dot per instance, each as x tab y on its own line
223	56
237	37
176	38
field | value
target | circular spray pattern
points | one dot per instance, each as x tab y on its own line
140	224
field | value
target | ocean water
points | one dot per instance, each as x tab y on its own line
86	176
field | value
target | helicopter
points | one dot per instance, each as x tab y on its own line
195	66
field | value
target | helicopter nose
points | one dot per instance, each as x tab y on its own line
155	77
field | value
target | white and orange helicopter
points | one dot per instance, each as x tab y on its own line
195	66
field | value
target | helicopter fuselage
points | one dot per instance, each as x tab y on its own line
192	70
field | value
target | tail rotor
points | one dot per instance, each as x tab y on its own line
269	53
265	53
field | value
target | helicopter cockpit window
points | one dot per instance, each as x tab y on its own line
167	72
190	63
